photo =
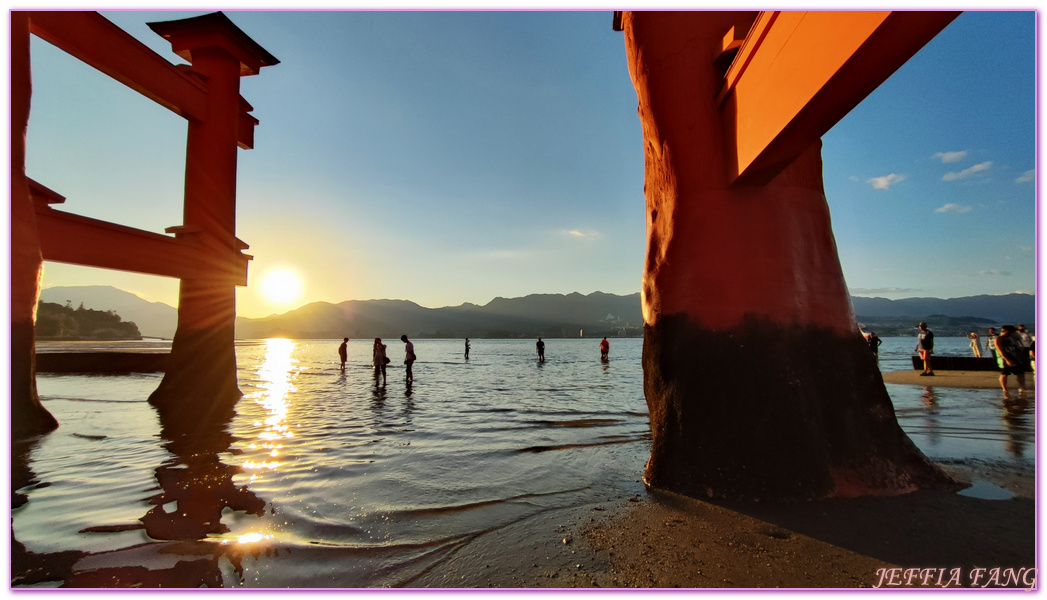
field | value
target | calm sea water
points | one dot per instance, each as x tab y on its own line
334	481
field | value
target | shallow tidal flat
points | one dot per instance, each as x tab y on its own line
492	472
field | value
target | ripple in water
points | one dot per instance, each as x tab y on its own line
329	480
390	478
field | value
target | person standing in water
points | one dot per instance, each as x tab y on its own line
540	349
380	360
466	348
342	352
409	358
605	348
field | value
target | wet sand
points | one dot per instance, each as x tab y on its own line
663	540
958	379
658	540
841	543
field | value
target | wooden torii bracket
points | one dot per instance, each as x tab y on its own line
757	380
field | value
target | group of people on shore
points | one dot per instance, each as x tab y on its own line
380	359
1013	349
1027	340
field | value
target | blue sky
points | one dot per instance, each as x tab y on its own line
449	157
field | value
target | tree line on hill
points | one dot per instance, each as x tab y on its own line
58	322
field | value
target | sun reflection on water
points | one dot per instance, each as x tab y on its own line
275	388
251	538
274	394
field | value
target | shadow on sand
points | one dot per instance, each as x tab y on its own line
672	540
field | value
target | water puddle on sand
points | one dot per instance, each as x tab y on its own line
987	491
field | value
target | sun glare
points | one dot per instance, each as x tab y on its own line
281	287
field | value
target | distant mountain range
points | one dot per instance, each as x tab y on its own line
950	317
1008	308
550	315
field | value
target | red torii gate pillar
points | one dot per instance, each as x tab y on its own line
199	385
28	416
758	383
199	388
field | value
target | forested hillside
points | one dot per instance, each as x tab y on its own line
54	321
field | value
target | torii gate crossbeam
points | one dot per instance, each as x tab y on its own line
799	72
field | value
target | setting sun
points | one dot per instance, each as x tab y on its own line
281	287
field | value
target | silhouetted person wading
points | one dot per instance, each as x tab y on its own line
410	358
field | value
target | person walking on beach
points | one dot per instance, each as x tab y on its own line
409	358
975	347
924	347
605	348
380	360
540	349
342	352
1012	359
990	343
466	348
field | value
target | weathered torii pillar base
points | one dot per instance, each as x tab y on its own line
758	383
199	388
764	411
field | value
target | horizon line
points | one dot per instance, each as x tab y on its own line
850	294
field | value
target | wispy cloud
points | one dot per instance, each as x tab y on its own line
949	207
579	234
978	168
993	273
887	290
885	182
1027	177
951	157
